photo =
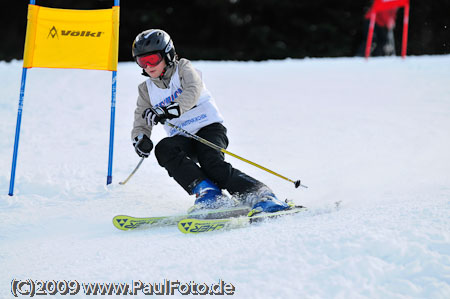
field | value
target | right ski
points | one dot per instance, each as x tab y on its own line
195	226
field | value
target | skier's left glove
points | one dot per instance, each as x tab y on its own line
161	114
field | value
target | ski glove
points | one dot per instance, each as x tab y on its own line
161	114
142	145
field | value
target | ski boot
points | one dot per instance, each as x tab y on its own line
208	197
264	201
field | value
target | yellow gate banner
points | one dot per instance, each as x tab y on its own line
67	38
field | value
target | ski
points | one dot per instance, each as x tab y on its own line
124	222
194	226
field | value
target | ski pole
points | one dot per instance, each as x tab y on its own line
133	172
220	149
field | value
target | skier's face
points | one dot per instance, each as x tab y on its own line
155	71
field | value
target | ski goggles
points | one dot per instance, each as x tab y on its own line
149	60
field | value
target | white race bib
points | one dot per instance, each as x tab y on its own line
203	114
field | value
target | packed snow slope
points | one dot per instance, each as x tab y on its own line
372	135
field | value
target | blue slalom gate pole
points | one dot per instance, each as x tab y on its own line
113	119
111	129
19	122
16	138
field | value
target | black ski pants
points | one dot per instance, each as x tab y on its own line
189	161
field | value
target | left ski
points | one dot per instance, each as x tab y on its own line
124	222
195	226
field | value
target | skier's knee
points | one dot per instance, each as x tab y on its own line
163	151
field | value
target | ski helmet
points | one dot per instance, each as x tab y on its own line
154	41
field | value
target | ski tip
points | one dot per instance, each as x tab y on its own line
119	222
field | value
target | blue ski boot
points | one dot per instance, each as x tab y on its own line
264	201
208	196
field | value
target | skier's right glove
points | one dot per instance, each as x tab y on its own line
142	145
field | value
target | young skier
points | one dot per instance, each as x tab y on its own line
176	93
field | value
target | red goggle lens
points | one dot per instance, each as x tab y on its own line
151	60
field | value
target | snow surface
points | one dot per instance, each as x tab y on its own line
374	136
